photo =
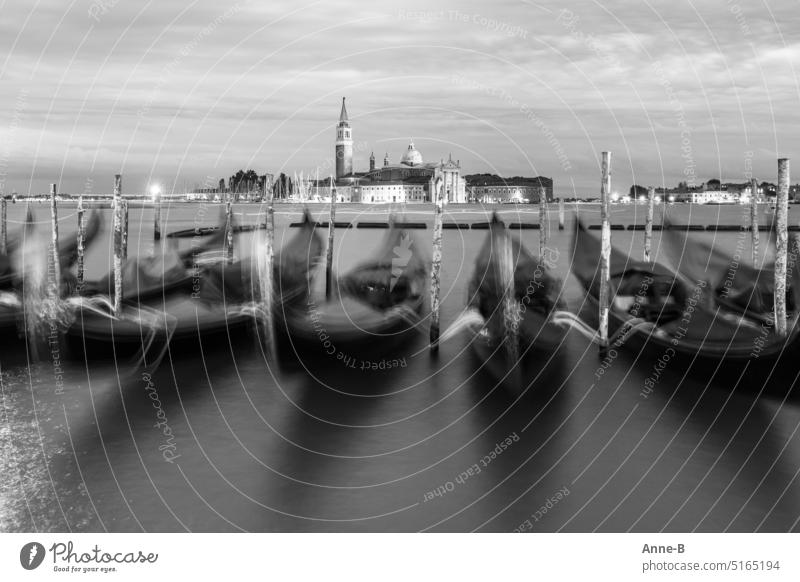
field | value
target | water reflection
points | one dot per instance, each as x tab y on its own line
260	447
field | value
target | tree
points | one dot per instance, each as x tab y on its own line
283	187
713	184
637	191
244	183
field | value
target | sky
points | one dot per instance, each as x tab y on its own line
185	93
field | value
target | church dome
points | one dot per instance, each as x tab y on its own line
412	157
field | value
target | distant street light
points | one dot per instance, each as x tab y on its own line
155	190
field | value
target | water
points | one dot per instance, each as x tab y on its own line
221	441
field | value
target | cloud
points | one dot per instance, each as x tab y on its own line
176	91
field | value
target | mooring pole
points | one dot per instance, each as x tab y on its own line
81	243
3	226
329	255
268	276
781	244
544	222
118	242
56	275
648	224
436	266
605	251
157	213
229	229
754	218
560	214
124	229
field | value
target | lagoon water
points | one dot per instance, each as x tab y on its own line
430	445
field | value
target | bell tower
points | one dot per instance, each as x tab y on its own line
344	145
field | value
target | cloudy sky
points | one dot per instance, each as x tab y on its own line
181	92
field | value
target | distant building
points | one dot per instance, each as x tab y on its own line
410	180
492	189
321	191
715	197
344	145
393	191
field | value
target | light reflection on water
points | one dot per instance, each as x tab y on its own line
329	449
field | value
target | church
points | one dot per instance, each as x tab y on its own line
410	180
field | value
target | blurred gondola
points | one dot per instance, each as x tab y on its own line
537	299
662	314
375	308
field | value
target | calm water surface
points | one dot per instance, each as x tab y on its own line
432	446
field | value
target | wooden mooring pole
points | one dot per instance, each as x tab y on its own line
605	252
81	242
781	244
268	277
118	241
228	229
55	282
560	214
156	213
3	226
648	224
754	219
124	228
436	266
544	222
329	251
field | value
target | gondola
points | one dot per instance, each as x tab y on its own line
137	337
219	306
656	312
11	279
375	309
536	299
736	286
153	289
159	275
12	282
225	301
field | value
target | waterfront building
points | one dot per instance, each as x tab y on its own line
410	180
492	189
